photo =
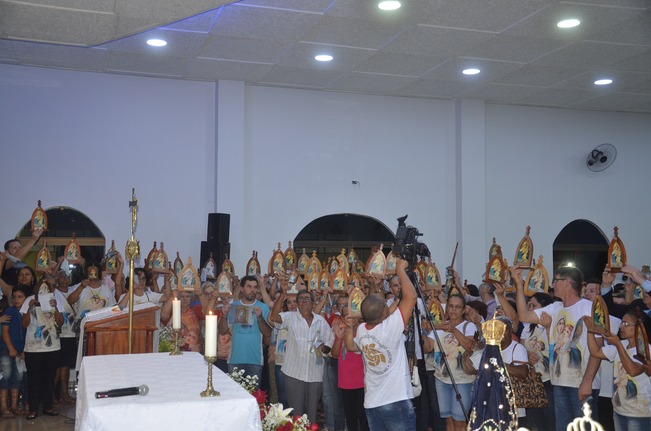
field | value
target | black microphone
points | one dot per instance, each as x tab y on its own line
123	392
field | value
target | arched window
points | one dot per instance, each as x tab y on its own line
584	244
329	234
62	222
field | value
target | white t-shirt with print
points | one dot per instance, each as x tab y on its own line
454	351
386	371
631	394
568	342
42	332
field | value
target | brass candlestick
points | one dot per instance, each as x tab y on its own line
175	343
210	391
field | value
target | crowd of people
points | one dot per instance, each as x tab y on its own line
356	367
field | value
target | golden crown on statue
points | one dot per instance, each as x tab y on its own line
493	331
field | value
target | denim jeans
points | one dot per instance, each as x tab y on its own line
435	412
280	386
249	370
333	408
542	419
625	423
11	378
449	405
567	405
398	416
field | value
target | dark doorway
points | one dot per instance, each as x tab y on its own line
327	235
62	223
584	244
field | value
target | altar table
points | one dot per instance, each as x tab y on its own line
173	401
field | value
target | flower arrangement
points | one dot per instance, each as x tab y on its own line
278	419
274	417
249	383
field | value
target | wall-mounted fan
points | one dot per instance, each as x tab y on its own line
601	157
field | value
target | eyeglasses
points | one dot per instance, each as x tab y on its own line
558	279
305	299
625	323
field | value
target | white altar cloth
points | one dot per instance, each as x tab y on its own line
173	402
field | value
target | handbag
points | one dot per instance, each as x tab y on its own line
529	392
467	365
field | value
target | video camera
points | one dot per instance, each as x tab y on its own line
407	245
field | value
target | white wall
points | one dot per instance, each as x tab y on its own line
304	149
83	140
275	159
536	175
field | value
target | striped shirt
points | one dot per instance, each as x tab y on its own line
300	360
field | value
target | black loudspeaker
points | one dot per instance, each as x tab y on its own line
219	226
218	250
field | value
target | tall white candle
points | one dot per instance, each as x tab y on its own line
211	335
176	314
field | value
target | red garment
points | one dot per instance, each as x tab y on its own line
350	370
330	317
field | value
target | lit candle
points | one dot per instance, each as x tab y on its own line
176	314
211	335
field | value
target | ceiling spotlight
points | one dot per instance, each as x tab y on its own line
323	57
156	42
568	23
389	5
471	71
603	81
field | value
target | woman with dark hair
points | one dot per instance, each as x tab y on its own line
11	261
631	406
456	335
27	277
42	315
534	339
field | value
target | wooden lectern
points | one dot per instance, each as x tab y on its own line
111	335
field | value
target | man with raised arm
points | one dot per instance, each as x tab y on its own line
309	337
9	259
387	380
247	322
572	368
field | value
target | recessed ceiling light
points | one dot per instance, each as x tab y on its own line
389	5
568	23
156	42
471	71
323	57
603	81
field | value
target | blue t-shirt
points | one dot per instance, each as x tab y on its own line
16	331
246	347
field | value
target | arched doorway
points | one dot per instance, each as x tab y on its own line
327	235
62	223
584	244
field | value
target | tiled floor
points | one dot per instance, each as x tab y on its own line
64	422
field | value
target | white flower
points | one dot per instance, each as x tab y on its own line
276	415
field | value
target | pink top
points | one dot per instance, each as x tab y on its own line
351	369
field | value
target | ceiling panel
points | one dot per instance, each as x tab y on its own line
211	70
486	15
416	51
352	32
358	82
260	23
395	63
240	49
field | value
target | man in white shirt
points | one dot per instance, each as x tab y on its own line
387	379
309	337
572	367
